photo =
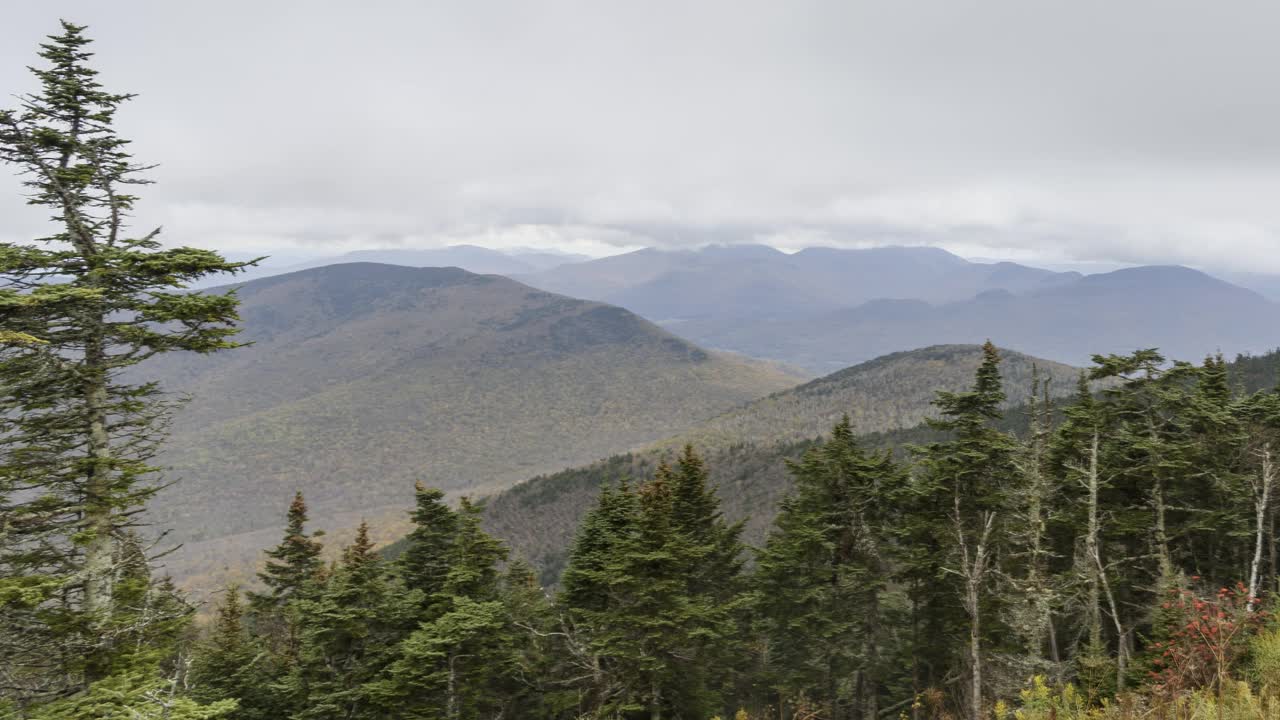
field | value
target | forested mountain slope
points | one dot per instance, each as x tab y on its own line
746	447
365	378
538	516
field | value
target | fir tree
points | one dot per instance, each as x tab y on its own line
425	563
652	585
822	573
601	536
975	469
455	663
79	307
293	564
1075	457
231	664
348	636
1031	555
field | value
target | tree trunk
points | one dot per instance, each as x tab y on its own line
1274	562
451	690
915	651
1261	504
1054	653
97	519
655	703
1091	549
975	650
974	573
872	655
1161	528
1122	654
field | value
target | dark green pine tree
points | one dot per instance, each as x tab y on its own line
1216	538
586	583
292	565
652	593
649	612
588	594
974	472
425	563
1149	451
231	664
1149	457
713	558
1075	458
347	636
79	307
535	657
455	664
821	575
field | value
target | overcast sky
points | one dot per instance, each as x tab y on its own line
1042	131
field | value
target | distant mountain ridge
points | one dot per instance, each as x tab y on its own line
472	258
827	308
1186	313
695	284
364	378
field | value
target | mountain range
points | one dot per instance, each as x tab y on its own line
362	379
742	280
824	308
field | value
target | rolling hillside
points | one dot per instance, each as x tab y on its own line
746	448
748	464
365	378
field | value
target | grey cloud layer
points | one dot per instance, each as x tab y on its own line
1138	131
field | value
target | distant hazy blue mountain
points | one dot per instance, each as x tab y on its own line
472	258
754	280
1184	312
1265	285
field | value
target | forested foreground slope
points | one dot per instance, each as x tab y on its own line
363	379
887	400
747	447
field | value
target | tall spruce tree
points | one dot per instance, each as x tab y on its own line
1075	457
455	664
652	585
1033	503
821	575
713	561
588	594
78	307
293	571
975	469
347	637
232	664
292	564
429	549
